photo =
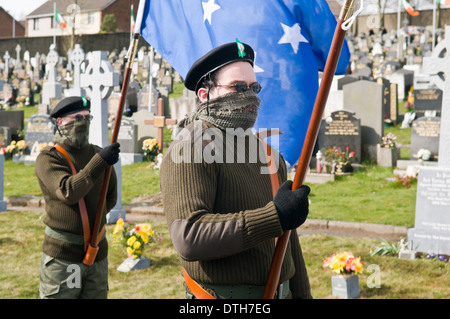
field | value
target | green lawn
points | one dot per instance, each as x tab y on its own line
383	277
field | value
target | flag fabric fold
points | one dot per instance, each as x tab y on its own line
409	8
291	40
59	18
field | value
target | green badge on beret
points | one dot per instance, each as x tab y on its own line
84	101
241	48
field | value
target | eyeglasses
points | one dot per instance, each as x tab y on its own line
242	87
80	117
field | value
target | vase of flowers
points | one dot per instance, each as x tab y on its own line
342	159
135	240
150	149
387	152
345	284
14	150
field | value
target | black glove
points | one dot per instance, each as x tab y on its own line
111	153
292	206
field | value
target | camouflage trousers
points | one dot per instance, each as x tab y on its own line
61	279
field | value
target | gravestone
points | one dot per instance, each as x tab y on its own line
76	58
365	99
404	79
427	100
2	183
129	146
431	232
13	120
144	99
5	136
8	94
335	99
185	104
167	82
346	80
6	58
341	129
99	80
40	128
425	133
51	88
113	104
144	131
393	103
25	94
132	96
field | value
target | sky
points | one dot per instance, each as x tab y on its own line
20	8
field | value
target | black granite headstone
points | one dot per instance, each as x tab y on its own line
342	129
427	100
425	134
13	120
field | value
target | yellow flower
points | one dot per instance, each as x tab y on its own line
130	250
21	144
119	226
136	245
131	240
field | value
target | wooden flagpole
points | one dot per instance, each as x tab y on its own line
310	139
92	250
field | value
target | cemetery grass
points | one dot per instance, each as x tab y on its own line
22	232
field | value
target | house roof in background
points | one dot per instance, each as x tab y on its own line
61	5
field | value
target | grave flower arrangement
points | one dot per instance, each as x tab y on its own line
150	148
15	148
336	155
409	105
343	263
134	238
388	141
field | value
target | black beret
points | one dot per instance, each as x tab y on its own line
69	105
216	58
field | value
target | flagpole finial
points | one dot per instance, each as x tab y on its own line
346	10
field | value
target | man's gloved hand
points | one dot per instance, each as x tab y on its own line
111	153
292	205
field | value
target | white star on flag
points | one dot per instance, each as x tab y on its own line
292	35
208	9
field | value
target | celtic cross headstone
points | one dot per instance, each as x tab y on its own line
99	80
431	232
77	56
51	88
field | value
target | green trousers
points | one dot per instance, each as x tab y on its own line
61	279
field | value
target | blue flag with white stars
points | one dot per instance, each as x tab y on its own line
291	40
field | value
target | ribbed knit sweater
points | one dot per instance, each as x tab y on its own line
62	190
221	217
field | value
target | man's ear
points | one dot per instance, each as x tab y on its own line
202	94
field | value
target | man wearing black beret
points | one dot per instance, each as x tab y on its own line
222	214
70	175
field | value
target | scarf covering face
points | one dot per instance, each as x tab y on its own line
74	134
232	110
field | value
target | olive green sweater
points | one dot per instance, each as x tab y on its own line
62	190
221	217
